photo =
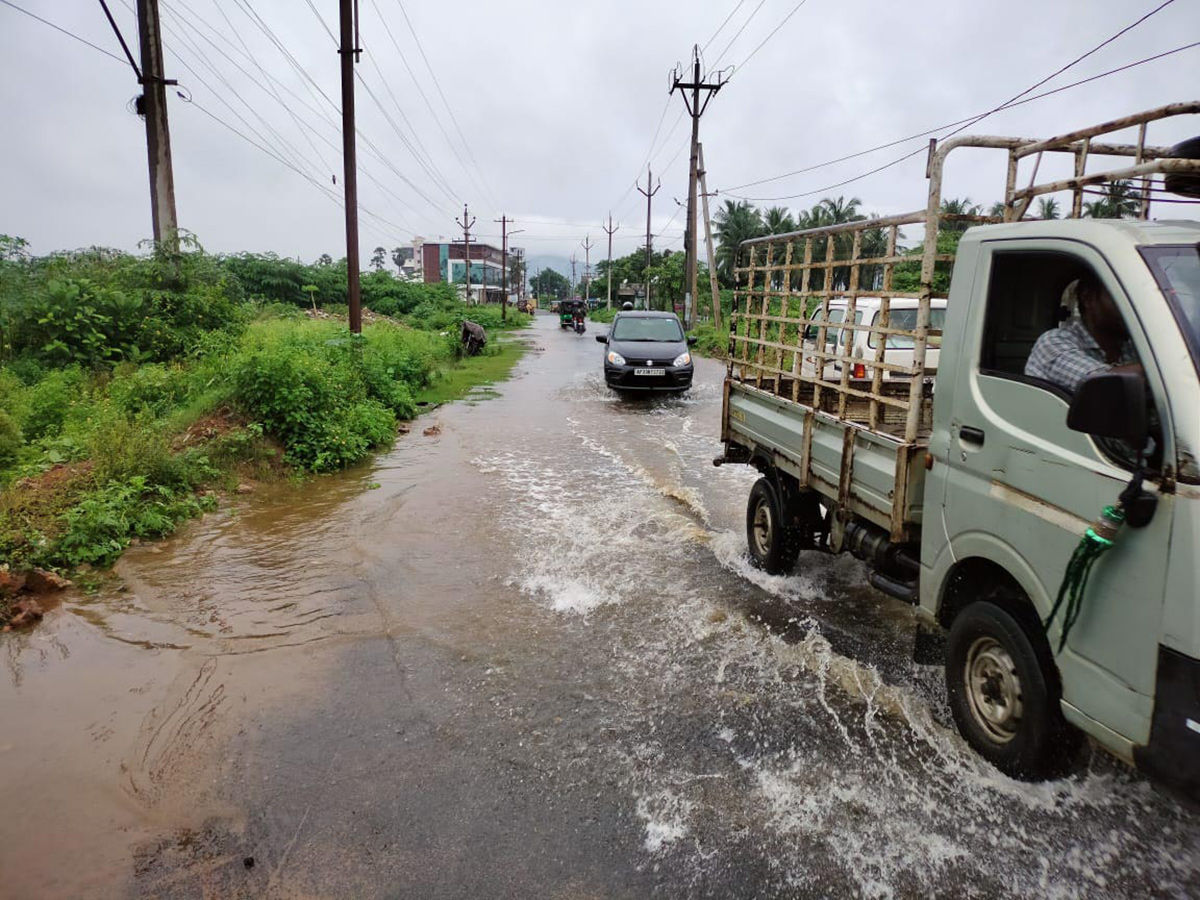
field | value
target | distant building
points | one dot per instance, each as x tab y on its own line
447	261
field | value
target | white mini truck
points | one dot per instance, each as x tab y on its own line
1049	538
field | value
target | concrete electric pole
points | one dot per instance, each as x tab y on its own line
708	242
465	225
649	195
609	231
348	50
158	134
696	109
504	233
587	264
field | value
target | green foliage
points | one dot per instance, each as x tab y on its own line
329	397
389	296
711	342
46	405
550	282
11	440
100	527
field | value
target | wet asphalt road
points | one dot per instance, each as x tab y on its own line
525	657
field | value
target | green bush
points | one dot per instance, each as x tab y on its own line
11	440
100	527
122	448
155	389
48	403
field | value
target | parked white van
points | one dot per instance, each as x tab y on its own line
898	349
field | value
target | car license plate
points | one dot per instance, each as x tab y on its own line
649	371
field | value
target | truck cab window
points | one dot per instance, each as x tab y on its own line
1050	322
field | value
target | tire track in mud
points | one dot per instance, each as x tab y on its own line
174	738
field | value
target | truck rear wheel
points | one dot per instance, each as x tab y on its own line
774	546
1001	696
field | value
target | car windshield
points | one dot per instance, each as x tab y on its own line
1177	270
638	329
907	319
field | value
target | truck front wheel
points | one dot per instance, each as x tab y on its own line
773	545
1001	697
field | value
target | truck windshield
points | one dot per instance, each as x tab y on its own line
638	329
1177	270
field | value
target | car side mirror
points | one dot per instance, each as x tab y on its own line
1112	405
602	339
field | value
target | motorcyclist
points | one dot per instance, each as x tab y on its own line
577	316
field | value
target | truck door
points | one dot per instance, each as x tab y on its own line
1022	487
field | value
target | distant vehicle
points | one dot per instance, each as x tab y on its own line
898	348
647	351
566	312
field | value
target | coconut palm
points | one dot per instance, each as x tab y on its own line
953	206
734	223
1118	201
1047	208
777	220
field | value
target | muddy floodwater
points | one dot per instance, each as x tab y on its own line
524	657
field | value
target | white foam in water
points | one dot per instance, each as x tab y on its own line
849	785
665	819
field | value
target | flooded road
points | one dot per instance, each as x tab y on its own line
524	657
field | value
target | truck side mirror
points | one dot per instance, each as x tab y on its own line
1112	405
602	339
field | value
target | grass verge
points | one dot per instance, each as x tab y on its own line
495	364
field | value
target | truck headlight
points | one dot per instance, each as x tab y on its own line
682	359
616	358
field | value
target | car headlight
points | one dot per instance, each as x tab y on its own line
682	359
616	358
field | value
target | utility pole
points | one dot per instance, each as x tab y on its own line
649	195
712	260
465	225
574	260
349	53
158	134
587	264
609	231
504	233
696	110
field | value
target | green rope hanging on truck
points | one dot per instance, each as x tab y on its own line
1096	541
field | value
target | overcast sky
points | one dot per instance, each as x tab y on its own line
558	101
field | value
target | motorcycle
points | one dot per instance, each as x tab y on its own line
580	328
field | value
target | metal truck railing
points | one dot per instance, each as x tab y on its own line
783	292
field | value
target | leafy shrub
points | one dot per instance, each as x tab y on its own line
11	440
100	527
153	389
75	320
48	403
122	448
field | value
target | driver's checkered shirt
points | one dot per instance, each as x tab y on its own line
1068	354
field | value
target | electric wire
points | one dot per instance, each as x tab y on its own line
721	27
961	122
449	109
795	9
62	30
732	40
927	132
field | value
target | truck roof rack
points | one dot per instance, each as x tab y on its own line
780	323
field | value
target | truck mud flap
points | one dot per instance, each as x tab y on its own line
1172	758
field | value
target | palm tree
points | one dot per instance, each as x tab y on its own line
777	220
1118	201
959	207
734	223
1047	208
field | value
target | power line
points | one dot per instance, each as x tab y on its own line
420	90
795	9
449	109
1069	65
722	25
926	133
62	30
749	19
